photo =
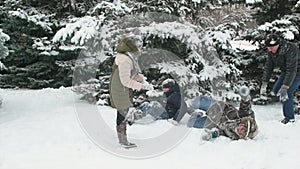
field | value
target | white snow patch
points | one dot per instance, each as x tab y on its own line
253	1
243	45
39	129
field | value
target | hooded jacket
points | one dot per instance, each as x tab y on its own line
125	76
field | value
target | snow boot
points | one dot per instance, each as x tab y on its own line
286	120
122	136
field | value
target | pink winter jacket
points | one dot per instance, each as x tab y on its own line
128	78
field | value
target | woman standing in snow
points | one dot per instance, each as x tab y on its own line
124	79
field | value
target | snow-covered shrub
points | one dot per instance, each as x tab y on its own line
3	49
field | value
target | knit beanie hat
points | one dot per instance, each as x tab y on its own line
168	83
272	40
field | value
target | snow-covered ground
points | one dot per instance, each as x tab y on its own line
39	129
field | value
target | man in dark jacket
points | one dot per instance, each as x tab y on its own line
286	56
172	106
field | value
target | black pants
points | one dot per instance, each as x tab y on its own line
121	115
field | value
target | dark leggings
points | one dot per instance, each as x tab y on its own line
121	115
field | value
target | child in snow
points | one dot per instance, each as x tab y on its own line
171	107
126	77
224	119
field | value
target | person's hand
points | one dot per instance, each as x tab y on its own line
209	134
263	88
130	116
282	93
147	86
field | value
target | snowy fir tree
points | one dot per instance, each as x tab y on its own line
3	49
64	43
32	63
170	32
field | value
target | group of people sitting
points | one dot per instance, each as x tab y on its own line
218	118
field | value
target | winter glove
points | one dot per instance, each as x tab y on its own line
210	134
134	114
244	93
130	116
147	86
282	93
263	88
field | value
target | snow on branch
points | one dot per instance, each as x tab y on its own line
3	49
34	16
209	71
80	30
298	4
3	37
283	26
202	52
117	7
184	32
253	1
202	48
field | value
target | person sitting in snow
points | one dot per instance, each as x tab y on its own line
174	103
171	107
223	119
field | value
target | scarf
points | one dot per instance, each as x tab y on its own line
134	59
